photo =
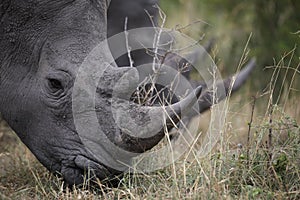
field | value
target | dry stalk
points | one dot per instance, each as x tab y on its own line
131	62
249	129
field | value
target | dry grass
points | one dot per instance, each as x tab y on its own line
233	170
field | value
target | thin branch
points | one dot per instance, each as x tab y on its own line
178	28
131	62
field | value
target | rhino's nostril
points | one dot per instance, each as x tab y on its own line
72	175
92	168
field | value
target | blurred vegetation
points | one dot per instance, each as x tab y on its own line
273	27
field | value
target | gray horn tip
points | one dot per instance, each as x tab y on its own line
244	74
198	91
189	101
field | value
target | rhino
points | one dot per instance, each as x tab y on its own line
43	43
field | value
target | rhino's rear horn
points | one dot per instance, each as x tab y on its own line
230	85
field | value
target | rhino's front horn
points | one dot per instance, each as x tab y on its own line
142	127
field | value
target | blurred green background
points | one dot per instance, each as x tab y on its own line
273	27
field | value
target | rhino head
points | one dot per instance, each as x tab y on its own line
43	44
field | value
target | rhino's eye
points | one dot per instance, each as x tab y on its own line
55	84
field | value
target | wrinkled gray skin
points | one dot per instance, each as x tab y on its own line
42	45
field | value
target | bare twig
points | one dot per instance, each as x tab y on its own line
156	45
178	28
156	42
131	62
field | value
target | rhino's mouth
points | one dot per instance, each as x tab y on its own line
84	168
93	170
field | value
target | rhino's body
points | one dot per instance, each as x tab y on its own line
42	45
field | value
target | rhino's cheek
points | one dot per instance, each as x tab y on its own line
54	140
60	149
59	154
